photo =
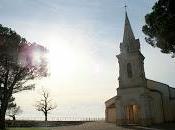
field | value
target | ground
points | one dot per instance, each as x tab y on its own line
104	126
28	129
100	126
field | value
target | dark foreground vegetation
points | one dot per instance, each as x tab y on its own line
25	123
28	129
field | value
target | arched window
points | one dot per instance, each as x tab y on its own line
129	70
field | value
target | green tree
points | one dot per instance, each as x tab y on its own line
11	103
160	26
14	76
13	109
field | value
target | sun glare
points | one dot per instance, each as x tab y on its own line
62	59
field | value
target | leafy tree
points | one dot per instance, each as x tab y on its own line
160	26
45	103
13	111
14	76
11	103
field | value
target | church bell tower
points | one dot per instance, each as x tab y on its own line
131	61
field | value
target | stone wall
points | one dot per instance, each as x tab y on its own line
168	99
111	115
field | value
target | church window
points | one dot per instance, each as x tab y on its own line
129	70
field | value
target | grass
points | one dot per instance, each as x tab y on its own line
27	129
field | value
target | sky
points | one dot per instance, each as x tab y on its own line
83	37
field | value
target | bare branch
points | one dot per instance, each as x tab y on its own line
44	104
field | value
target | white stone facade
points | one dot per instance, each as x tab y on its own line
139	100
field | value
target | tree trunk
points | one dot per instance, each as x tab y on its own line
2	122
2	113
45	116
14	118
45	119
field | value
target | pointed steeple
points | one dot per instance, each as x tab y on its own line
129	44
131	60
128	33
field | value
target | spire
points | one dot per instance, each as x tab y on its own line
128	33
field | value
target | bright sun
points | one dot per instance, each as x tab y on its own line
62	59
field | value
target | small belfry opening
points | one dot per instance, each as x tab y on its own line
132	114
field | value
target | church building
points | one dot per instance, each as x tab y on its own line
139	100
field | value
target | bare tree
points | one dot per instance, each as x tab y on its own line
45	103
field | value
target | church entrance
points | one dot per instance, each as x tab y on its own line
132	114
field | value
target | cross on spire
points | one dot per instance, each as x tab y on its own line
125	7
